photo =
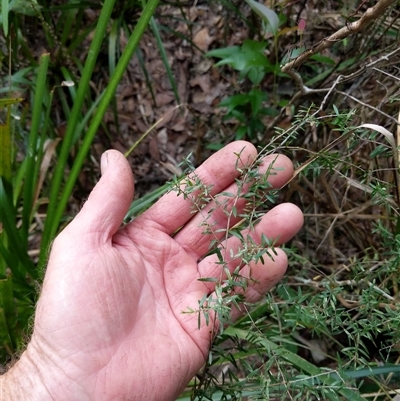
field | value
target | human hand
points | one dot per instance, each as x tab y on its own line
109	322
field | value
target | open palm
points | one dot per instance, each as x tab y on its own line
110	321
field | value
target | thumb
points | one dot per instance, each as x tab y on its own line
110	199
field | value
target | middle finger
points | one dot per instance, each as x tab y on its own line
213	221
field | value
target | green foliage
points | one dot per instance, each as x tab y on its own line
331	329
266	14
247	108
20	192
248	59
251	63
259	356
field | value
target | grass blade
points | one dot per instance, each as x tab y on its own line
5	139
52	223
4	16
302	364
5	150
126	56
164	57
139	205
16	243
32	152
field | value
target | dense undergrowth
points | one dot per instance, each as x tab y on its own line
317	81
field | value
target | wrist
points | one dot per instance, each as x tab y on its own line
33	378
24	381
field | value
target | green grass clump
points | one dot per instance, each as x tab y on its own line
22	191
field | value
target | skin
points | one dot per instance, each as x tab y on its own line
109	322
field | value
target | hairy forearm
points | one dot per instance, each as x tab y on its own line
34	378
23	382
16	384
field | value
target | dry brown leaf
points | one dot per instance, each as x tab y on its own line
180	125
49	150
169	114
153	149
202	39
182	81
164	98
204	66
201	80
162	139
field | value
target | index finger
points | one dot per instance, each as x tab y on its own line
174	210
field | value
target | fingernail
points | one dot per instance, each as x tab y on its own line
103	163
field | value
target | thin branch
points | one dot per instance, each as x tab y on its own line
305	90
372	65
368	105
370	15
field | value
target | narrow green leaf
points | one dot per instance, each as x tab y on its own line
257	97
266	14
139	205
245	59
322	59
25	7
164	58
58	206
373	371
4	15
15	243
142	64
224	52
5	147
9	101
5	340
69	19
7	306
327	378
113	46
237	234
33	162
